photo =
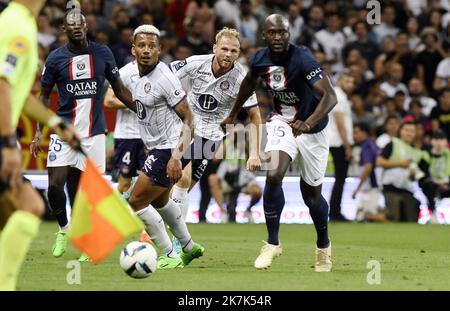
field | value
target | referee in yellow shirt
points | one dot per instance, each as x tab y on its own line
20	205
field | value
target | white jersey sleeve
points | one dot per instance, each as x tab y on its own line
171	88
126	121
185	70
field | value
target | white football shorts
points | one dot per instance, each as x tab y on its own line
313	149
60	153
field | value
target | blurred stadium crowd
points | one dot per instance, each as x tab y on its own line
400	67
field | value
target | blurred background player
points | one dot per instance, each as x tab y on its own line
400	160
163	115
79	69
369	193
212	82
303	97
340	130
129	150
233	178
21	207
436	185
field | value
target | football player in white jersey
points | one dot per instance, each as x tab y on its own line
165	125
129	150
129	155
212	82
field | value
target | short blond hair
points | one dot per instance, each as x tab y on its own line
146	29
228	32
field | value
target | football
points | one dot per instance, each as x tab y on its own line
138	259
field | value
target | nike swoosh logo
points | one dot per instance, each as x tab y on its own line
79	74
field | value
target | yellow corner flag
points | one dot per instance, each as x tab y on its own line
100	219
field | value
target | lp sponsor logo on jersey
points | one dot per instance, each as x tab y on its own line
140	110
207	103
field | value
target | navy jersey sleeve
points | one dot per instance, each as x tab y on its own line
311	68
252	62
111	71
49	73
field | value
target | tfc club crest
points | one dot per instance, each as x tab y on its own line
81	66
225	85
147	88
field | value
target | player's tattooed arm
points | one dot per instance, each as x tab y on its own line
247	88
123	94
174	169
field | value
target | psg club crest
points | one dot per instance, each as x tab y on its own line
277	78
225	85
81	66
147	88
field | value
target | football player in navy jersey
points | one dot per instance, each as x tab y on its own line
79	70
303	96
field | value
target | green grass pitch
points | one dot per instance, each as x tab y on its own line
411	257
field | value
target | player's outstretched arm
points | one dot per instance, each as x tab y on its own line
174	169
11	166
35	146
254	162
247	88
123	94
112	102
324	88
36	110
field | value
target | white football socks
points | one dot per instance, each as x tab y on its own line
155	227
173	217
180	196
